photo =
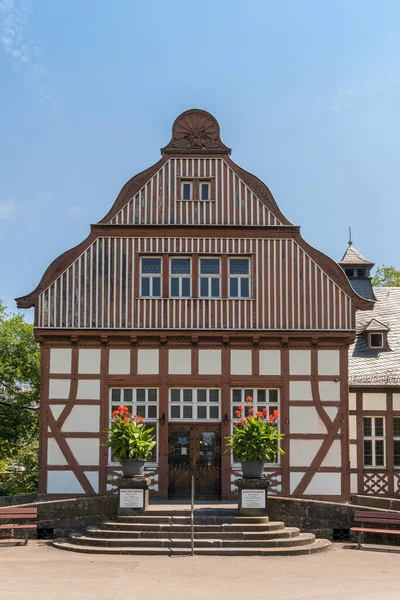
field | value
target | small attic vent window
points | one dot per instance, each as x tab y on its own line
349	272
376	340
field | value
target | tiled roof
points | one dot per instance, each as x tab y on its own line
353	257
377	367
362	287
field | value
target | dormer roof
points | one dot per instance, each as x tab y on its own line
375	325
353	257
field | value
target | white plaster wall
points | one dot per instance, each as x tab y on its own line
210	362
300	362
329	390
89	361
334	456
295	480
305	419
85	450
88	389
83	418
180	362
59	389
93	477
353	427
60	360
63	482
374	401
119	362
270	362
352	401
56	410
328	362
54	453
325	484
353	456
331	411
148	362
241	362
353	483
300	390
302	452
396	401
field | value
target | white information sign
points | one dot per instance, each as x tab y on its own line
253	498
131	498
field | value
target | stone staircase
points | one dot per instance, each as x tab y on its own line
217	531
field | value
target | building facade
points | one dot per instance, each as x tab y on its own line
192	293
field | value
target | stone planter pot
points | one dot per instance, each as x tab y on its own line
132	467
252	469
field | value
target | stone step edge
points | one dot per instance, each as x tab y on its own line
286	532
83	540
317	546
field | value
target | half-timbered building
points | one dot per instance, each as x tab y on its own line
374	385
193	292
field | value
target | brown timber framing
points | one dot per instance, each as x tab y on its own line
225	381
389	474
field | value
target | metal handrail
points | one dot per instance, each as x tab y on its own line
192	517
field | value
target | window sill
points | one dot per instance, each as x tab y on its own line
194	200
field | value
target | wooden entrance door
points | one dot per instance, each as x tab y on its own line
194	450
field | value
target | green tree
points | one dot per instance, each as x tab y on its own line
386	277
19	420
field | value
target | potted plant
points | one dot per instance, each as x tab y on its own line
254	440
130	440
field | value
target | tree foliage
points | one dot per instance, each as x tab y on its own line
19	421
386	277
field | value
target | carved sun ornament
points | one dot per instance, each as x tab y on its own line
194	131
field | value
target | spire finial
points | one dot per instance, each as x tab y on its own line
350	240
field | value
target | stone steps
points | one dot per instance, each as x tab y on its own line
84	540
285	532
122	526
316	546
216	532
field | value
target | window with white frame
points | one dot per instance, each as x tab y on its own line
142	402
261	399
239	278
186	190
150	277
210	277
374	441
204	190
396	442
376	340
194	404
180	276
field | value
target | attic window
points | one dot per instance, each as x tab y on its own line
186	190
349	272
361	272
376	340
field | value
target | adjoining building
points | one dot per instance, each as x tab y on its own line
193	292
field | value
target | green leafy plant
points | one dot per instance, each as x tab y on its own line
129	437
255	437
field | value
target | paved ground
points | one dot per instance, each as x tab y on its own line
40	572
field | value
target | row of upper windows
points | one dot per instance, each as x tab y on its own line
180	277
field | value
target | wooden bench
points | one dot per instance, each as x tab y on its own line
368	518
11	513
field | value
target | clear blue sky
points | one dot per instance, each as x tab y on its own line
307	94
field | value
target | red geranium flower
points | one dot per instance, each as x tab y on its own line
125	420
276	413
271	418
249	399
259	414
265	411
240	407
238	413
251	410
